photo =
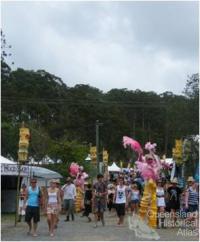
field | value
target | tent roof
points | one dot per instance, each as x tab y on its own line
33	170
43	172
114	167
6	161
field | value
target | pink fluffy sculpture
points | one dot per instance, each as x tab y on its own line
150	165
78	171
148	168
135	145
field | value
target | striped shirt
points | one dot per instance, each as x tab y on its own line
193	198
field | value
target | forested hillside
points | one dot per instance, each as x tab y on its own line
62	118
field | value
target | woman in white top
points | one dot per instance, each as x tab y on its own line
160	193
121	200
53	205
134	197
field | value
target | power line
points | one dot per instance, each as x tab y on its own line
83	102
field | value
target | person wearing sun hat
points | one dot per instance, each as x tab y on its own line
53	206
61	199
174	197
191	196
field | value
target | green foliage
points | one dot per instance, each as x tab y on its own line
190	154
68	151
62	119
192	86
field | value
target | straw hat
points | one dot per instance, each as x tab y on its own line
190	179
58	181
53	181
174	180
68	179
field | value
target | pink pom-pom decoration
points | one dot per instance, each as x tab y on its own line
149	146
85	175
135	145
74	169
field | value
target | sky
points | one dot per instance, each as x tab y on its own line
151	46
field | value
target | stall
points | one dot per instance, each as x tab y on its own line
114	168
114	171
42	174
9	175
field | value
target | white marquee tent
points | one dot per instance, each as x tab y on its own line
9	173
9	167
114	168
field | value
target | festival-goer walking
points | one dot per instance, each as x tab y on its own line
61	201
33	198
160	194
99	199
53	206
192	200
69	190
121	200
88	202
21	202
174	199
134	197
111	193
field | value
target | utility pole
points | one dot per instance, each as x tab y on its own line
134	121
97	145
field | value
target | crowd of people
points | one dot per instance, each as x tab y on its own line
120	194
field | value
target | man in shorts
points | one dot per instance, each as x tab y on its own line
99	199
32	198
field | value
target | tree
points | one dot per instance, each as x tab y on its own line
192	86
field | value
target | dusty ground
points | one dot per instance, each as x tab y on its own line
81	230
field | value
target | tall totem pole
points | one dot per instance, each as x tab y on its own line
24	137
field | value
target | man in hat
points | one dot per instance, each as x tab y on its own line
174	198
69	191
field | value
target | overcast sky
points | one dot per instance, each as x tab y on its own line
152	46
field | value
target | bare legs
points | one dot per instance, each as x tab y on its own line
96	218
32	226
51	220
134	208
161	217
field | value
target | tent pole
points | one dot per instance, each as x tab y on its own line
18	193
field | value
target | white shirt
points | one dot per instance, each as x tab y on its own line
69	191
121	194
52	197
